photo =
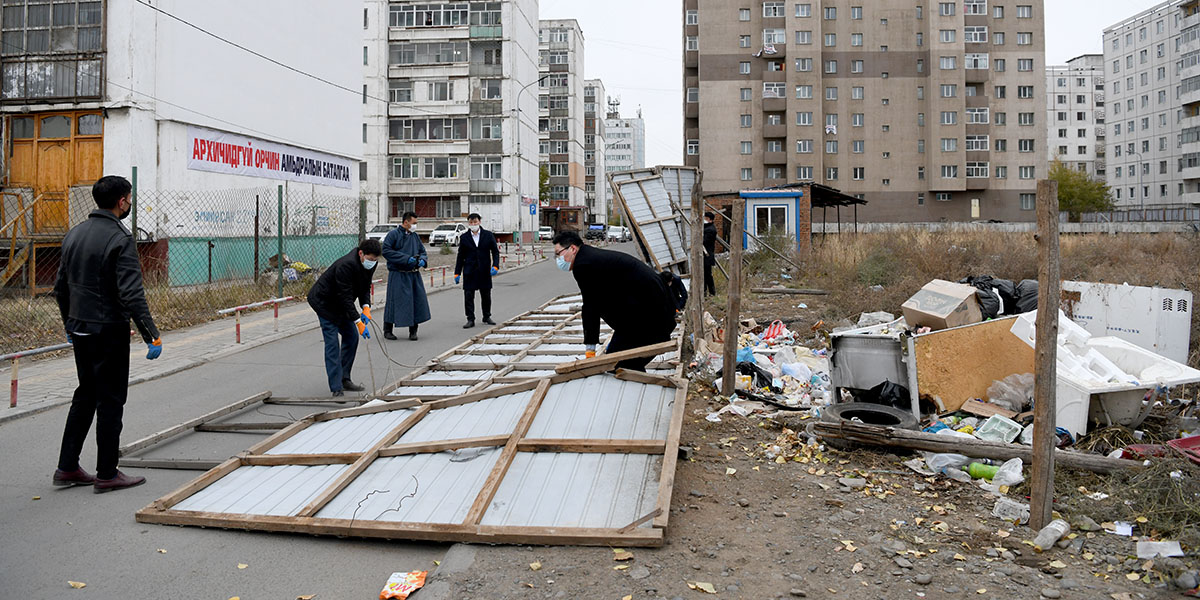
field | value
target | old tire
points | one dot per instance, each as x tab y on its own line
868	413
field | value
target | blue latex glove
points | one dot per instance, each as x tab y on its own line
456	278
423	264
364	318
412	260
70	340
363	330
154	349
495	270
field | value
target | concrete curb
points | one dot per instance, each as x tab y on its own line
41	407
458	559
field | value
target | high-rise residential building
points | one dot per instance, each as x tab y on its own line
625	139
1189	97
449	112
1075	114
595	138
929	111
561	121
1143	74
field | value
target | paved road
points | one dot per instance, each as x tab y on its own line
76	535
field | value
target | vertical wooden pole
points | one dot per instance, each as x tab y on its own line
734	291
696	269
1045	373
279	247
237	325
12	390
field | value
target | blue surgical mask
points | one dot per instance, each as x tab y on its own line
563	265
369	264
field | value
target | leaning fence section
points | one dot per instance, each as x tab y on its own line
200	251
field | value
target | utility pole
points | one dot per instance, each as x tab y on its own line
520	158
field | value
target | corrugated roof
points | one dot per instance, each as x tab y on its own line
338	436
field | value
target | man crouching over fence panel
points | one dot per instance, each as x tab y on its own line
99	288
332	297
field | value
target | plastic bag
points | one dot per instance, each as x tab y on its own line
1014	392
875	318
798	370
940	463
889	394
1009	473
1027	296
401	585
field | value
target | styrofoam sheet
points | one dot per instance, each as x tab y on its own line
493	416
576	490
258	490
341	436
445	485
614	409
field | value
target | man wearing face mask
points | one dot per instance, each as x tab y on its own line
710	253
332	297
407	305
478	260
625	292
99	289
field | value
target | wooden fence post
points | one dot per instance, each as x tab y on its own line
1045	373
696	269
733	289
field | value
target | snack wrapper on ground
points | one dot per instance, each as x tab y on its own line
401	585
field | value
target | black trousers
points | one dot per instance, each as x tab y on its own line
485	299
628	340
102	364
710	287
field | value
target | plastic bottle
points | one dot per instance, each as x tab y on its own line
981	471
1050	534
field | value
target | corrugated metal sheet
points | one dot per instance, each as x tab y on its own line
479	359
476	375
552	359
278	491
406	390
339	436
647	201
576	490
445	486
604	407
494	416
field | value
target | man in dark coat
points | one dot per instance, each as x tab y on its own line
332	297
675	288
478	259
710	253
625	292
407	305
99	288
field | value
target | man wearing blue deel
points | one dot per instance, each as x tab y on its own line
407	305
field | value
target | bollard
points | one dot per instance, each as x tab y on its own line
431	278
277	317
12	400
237	327
443	275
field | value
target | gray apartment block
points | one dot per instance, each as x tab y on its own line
1076	112
561	111
931	111
595	140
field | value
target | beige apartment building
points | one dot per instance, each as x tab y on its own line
930	111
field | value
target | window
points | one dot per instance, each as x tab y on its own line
920	146
1025	91
804	65
831	174
489	89
804	91
744	67
830	13
774	36
399	91
1025	118
773	9
856	13
747	174
947	36
1001	64
947	63
977	143
1001	145
775	173
560	169
693	43
1000	91
975	61
743	14
831	93
804	146
693	147
440	91
804	119
858	173
1028	201
997	12
946	9
975	34
949	90
428	53
692	18
425	129
1001	172
858	146
486	167
1000	119
831	39
803	10
804	173
774	89
856	39
487	128
1025	172
978	170
1024	38
745	94
1024	64
831	147
975	7
949	171
949	144
1025	145
857	120
856	92
998	38
693	94
920	119
747	120
831	66
1024	12
803	38
743	41
747	148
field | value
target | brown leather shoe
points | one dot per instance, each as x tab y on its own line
69	478
120	482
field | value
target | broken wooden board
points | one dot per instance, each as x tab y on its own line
959	364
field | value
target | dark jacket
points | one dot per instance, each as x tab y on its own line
100	279
677	291
400	244
710	243
625	292
475	263
334	293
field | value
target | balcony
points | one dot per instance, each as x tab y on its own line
487	31
774	104
774	131
691	59
774	75
774	158
691	110
487	186
484	70
1190	173
978	183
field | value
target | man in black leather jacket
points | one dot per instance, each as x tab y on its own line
99	289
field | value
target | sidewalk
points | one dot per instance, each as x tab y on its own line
46	384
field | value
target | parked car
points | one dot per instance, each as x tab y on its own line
447	233
616	233
545	234
594	232
380	231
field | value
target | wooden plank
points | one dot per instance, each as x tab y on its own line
1041	480
640	377
696	268
639	537
648	517
197	484
215	427
273	460
397	404
616	357
492	483
592	446
496	392
362	463
185	464
443	445
734	294
983	409
312	401
190	424
666	482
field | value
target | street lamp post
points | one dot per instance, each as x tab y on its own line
520	158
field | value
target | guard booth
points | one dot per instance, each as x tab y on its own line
787	209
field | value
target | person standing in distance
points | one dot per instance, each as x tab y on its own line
407	305
99	289
625	292
478	260
332	297
710	253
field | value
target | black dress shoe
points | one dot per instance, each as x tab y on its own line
412	333
339	394
470	324
350	386
489	321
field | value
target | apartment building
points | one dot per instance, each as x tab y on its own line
561	121
625	138
1142	56
595	140
449	113
1075	114
1189	98
930	111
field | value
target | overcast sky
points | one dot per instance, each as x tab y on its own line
635	47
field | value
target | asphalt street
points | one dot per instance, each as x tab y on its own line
52	536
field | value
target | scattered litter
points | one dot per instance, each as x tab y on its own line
1119	528
1155	549
1050	534
1011	510
535	566
77	584
401	585
621	555
702	586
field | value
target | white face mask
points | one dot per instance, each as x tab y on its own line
473	228
369	264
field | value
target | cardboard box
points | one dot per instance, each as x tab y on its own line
942	305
